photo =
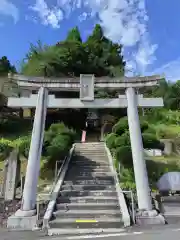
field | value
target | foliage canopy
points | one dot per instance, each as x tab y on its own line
72	57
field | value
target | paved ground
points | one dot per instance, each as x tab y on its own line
156	233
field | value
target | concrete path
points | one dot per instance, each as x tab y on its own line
156	233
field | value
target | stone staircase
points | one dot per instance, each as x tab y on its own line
88	201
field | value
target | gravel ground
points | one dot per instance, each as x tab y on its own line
7	208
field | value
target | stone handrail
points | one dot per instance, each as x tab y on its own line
56	189
122	202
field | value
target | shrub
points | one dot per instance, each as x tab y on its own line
110	140
167	131
15	125
127	180
144	124
151	141
123	140
5	148
56	129
23	144
59	147
150	130
124	156
121	126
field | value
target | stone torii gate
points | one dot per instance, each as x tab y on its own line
86	85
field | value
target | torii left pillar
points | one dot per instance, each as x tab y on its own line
28	207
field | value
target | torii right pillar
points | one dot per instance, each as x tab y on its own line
140	171
141	178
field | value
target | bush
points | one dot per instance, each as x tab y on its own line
150	130
167	131
5	148
121	126
23	144
123	140
127	179
110	140
58	129
57	142
15	125
124	156
151	141
59	147
144	124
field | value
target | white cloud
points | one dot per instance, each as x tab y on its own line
171	70
123	21
48	16
9	9
145	56
83	16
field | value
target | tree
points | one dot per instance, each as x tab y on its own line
72	57
74	35
170	92
5	66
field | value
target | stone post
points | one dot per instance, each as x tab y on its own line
33	166
12	173
140	171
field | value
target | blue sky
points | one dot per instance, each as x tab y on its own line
149	30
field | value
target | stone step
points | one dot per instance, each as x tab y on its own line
74	193
89	169
90	154
88	187
89	163
110	205
92	164
88	200
90	146
93	176
81	167
91	160
88	182
99	222
74	175
84	231
90	149
89	214
90	143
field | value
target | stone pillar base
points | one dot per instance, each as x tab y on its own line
146	217
22	220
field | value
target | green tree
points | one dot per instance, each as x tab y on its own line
6	67
74	35
72	57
